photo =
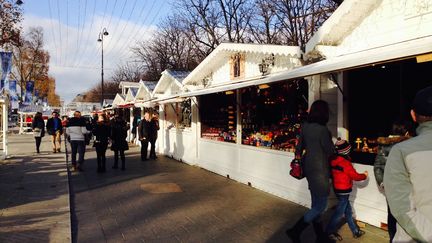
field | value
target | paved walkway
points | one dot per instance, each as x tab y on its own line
34	194
168	201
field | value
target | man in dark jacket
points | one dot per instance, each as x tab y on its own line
145	133
55	130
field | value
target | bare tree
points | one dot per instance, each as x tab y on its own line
236	15
169	48
201	18
94	94
131	72
264	26
301	18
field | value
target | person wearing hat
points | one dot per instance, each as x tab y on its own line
407	179
343	174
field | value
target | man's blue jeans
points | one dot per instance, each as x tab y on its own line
343	208
319	204
77	146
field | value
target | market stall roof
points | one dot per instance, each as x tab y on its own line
107	102
144	91
340	24
372	56
131	93
118	100
170	78
225	49
126	84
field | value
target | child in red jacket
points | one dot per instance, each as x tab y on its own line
343	176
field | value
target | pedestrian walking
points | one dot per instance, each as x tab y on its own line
102	132
343	174
407	178
135	122
119	144
38	127
154	128
145	132
315	146
76	131
55	130
400	132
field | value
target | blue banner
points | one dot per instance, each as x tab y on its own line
28	98
13	94
6	65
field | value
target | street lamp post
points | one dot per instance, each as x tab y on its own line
101	37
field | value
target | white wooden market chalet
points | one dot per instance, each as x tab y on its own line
359	39
144	93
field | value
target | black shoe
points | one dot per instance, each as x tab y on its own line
335	237
115	167
322	237
295	232
359	234
123	168
80	168
142	159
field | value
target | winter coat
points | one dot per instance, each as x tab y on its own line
50	126
154	128
316	140
344	174
102	132
76	129
119	130
407	183
135	124
38	122
147	130
380	160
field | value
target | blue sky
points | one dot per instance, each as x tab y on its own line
71	29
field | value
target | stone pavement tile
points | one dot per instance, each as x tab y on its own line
35	207
209	208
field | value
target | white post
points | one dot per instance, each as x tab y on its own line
5	127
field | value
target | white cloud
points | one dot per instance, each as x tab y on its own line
76	60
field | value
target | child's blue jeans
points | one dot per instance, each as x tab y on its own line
343	208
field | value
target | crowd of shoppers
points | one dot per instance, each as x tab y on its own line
106	131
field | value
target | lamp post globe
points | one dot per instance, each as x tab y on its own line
103	33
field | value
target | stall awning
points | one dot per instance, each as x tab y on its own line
226	87
387	53
400	50
169	99
128	105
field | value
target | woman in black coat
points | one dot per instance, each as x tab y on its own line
119	130
38	126
315	139
101	131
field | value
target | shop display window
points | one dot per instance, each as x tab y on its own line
184	114
271	114
218	116
178	115
170	111
378	97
